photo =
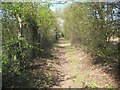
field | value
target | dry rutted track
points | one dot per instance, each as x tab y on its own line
75	69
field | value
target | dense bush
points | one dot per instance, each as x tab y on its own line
93	25
28	29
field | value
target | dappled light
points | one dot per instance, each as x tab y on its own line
60	45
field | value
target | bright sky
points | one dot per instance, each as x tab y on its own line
57	4
54	7
60	4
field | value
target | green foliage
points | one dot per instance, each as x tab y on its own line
28	29
95	85
90	25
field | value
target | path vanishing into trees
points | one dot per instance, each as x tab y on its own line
73	68
67	66
46	46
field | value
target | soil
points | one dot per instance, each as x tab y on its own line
77	71
71	67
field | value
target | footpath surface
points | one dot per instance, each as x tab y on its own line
76	70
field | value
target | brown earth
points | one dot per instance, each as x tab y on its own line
77	70
71	67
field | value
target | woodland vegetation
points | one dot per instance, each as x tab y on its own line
94	26
29	30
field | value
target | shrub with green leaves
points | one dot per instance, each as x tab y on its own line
27	31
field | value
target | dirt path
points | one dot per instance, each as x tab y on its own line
76	70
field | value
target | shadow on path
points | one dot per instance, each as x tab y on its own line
65	66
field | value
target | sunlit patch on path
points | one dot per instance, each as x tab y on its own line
64	45
75	68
